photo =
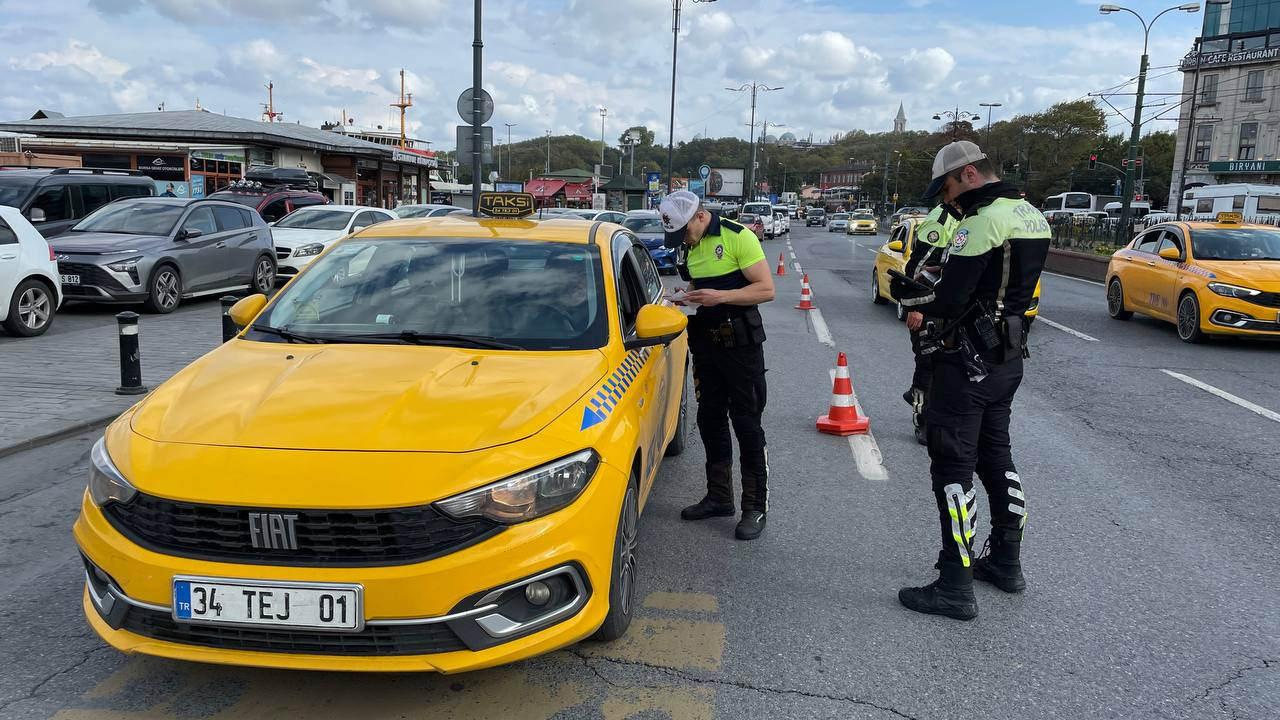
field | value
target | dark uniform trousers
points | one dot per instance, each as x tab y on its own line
968	431
730	387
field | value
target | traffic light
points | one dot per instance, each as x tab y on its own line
1093	161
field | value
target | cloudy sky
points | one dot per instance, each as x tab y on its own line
550	64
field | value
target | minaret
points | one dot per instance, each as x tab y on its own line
900	122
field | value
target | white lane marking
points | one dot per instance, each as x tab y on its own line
793	255
1067	330
866	451
821	330
796	265
1068	277
1251	407
870	250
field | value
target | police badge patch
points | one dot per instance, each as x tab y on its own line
719	252
933	236
962	237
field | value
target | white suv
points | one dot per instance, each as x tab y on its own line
30	287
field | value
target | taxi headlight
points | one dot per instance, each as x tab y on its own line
1234	291
106	483
309	250
530	494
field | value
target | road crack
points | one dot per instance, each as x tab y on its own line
737	684
35	691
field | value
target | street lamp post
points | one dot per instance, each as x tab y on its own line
988	106
957	116
675	43
604	112
509	126
1126	201
547	168
897	174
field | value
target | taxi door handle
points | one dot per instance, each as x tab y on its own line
221	244
1152	263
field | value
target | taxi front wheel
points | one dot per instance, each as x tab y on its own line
622	581
1189	319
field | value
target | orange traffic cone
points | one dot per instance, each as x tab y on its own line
782	268
806	297
843	419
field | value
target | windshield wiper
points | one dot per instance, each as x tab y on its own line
417	338
287	335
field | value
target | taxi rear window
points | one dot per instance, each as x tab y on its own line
1236	243
466	292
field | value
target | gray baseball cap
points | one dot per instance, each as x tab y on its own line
952	156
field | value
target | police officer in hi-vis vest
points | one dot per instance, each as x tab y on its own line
974	329
928	251
729	277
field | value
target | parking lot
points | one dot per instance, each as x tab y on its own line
1150	551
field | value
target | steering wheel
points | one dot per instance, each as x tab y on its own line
542	310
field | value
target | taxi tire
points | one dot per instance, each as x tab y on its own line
622	577
1189	327
876	297
678	443
1115	301
902	313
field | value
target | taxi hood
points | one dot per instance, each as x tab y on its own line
1261	275
365	397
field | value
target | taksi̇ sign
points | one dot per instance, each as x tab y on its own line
1245	166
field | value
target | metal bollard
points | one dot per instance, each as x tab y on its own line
130	360
229	328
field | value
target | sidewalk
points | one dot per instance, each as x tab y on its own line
63	382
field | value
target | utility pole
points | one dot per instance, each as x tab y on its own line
477	109
269	109
754	87
988	106
1191	134
547	168
403	105
671	127
604	112
884	177
509	126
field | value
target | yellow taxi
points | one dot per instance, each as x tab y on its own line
895	253
1207	278
862	224
430	451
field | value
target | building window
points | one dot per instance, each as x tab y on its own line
1209	90
1248	141
1204	142
1253	87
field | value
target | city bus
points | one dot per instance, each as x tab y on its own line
1078	202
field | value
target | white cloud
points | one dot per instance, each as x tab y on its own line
77	54
922	69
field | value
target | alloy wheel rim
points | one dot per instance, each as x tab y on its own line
627	550
167	288
1187	319
263	276
33	308
875	286
1113	297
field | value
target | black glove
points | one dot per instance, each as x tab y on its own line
903	288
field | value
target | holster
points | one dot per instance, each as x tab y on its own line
733	330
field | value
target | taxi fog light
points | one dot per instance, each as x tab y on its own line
106	483
1234	291
530	494
537	593
309	250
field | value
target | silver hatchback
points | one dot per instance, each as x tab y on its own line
158	251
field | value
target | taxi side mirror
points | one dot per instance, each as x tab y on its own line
246	309
1171	254
895	246
656	325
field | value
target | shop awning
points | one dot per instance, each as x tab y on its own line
334	182
577	191
543	189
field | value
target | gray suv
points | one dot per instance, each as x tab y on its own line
160	250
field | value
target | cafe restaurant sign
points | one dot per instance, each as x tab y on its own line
1245	166
1230	57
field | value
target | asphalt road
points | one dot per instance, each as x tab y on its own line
75	316
1151	555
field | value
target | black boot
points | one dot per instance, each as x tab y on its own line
719	499
707	508
1002	566
750	526
951	594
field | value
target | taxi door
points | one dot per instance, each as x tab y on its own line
1163	290
1139	272
639	285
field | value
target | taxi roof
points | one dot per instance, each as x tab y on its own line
552	229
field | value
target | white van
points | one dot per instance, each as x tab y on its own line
1246	198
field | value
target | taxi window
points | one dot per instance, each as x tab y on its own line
499	294
1170	240
648	273
631	296
1149	242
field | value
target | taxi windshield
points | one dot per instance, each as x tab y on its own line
1236	244
460	292
864	216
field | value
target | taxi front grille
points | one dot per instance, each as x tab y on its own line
331	538
374	640
1266	299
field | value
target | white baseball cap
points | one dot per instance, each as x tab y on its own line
952	156
677	209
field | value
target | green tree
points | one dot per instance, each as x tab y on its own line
645	134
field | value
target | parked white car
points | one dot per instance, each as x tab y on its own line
782	218
30	287
427	210
304	233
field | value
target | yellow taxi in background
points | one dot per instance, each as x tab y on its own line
895	253
430	451
862	224
1207	278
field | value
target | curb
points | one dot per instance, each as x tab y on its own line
60	434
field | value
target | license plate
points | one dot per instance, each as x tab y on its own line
219	601
70	279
